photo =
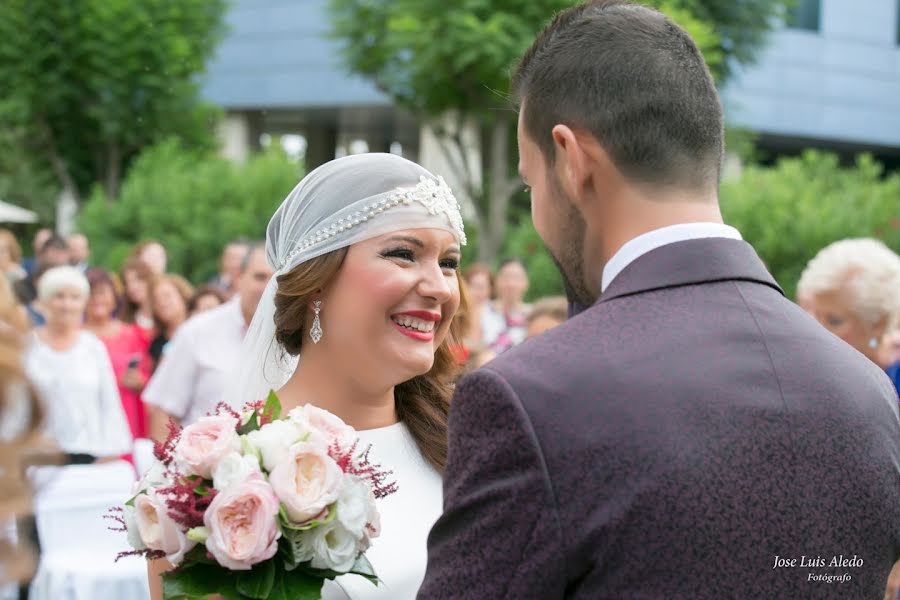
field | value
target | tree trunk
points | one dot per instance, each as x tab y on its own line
69	198
492	191
498	192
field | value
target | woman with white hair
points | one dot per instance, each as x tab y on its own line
852	287
71	370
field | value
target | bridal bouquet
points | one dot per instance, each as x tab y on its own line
255	505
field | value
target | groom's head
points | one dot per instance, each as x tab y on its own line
618	116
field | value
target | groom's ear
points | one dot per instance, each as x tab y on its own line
573	164
584	168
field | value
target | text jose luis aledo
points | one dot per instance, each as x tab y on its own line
819	562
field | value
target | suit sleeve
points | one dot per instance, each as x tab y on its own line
499	536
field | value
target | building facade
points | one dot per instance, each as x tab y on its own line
830	78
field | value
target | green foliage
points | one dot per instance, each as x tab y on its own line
190	201
740	26
87	84
787	212
439	59
791	211
265	580
524	243
432	56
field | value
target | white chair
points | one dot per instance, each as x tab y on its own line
77	548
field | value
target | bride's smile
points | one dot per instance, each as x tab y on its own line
417	324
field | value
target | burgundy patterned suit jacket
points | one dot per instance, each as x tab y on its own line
670	442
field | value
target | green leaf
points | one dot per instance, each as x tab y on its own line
198	554
199	581
272	409
252	424
363	567
295	585
258	581
287	524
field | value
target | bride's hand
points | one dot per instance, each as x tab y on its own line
155	569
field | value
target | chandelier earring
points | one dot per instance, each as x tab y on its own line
316	331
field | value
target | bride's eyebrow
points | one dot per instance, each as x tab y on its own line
407	239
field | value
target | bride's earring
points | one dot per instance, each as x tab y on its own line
316	332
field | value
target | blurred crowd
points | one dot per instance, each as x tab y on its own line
114	356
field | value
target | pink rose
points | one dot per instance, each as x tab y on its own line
307	482
205	443
157	530
243	524
323	426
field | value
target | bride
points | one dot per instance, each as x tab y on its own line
358	320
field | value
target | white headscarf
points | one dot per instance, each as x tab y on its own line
343	202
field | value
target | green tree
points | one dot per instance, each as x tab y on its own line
192	202
449	63
792	210
87	84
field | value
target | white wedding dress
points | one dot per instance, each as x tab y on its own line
399	554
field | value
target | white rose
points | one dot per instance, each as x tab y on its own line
157	529
233	469
154	477
307	481
131	527
353	506
333	547
323	427
273	440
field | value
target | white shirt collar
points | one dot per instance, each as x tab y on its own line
642	244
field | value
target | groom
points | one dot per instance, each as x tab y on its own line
691	433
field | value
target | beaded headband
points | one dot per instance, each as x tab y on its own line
435	195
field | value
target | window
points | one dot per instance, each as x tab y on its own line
804	14
898	22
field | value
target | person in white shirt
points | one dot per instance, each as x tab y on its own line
71	370
73	374
190	381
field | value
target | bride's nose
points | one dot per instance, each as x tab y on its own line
435	283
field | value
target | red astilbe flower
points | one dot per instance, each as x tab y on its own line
185	506
146	553
224	409
263	417
165	451
361	467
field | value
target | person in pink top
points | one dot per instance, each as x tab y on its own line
126	343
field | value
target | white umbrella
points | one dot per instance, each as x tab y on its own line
10	213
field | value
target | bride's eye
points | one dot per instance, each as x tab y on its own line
450	263
401	253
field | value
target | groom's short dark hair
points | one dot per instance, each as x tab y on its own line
633	79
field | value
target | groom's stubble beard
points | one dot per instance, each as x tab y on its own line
569	257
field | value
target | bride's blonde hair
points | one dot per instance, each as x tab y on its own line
423	402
